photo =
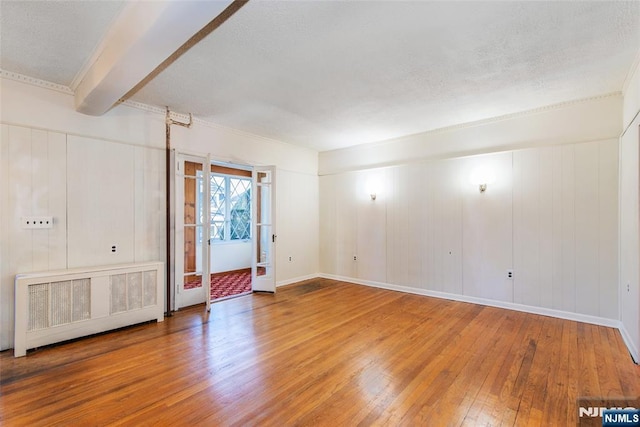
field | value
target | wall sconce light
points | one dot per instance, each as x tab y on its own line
372	186
482	177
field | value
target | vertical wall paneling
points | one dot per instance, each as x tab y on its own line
526	226
397	203
298	209
557	270
630	232
371	225
551	217
608	229
587	210
416	220
449	185
33	183
57	191
328	222
346	226
40	197
283	210
20	240
568	280
547	186
487	230
100	202
565	222
425	217
629	204
533	226
393	225
140	219
437	251
6	288
149	204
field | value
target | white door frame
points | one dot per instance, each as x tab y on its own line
263	221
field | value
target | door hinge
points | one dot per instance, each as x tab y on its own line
273	238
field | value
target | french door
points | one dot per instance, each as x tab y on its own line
195	222
193	228
263	275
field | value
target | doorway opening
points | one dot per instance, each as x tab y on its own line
224	230
229	232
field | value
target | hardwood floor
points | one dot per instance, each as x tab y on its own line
323	353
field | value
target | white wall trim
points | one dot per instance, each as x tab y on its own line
80	135
577	317
147	108
35	82
635	355
635	66
483	301
586	120
488	121
297	279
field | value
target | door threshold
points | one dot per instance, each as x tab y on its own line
231	297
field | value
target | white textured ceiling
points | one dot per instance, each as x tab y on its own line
338	73
51	40
329	74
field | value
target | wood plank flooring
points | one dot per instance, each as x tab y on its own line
323	352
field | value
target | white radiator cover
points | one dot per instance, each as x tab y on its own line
61	305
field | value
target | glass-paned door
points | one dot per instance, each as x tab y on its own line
192	228
263	266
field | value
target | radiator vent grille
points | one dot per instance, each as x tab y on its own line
133	291
59	303
38	306
150	278
55	306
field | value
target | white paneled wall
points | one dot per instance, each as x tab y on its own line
565	228
99	193
297	221
630	234
444	226
149	199
116	198
629	214
101	202
33	164
551	216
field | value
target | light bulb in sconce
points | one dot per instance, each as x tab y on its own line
482	177
373	187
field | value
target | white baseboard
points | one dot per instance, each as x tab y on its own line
296	280
633	350
585	318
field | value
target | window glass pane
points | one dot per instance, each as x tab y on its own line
240	208
217	207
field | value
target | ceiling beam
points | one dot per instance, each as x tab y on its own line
144	36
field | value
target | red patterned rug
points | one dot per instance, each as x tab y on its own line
226	285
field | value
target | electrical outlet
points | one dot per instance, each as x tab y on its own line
355	258
509	274
114	248
36	222
290	259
